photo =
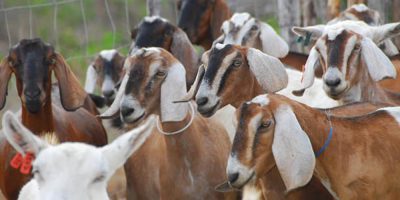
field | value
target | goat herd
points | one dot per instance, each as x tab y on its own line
329	132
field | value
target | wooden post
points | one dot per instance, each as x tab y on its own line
153	7
289	16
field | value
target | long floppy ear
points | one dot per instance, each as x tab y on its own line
195	87
5	75
91	79
313	31
386	31
113	110
23	140
292	149
309	72
183	50
72	94
272	43
220	13
173	88
124	146
268	70
378	64
390	48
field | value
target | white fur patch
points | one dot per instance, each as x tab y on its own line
360	7
220	46
238	19
251	192
91	79
108	54
151	19
234	166
334	33
263	100
394	112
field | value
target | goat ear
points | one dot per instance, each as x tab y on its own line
314	31
113	110
124	146
91	79
292	149
390	48
309	72
72	94
378	64
183	50
5	75
268	70
23	140
272	43
195	87
386	31
173	88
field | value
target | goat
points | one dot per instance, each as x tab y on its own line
71	170
361	12
245	30
277	131
153	80
235	74
202	25
105	71
158	32
351	61
32	62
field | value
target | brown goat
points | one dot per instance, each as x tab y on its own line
351	61
32	61
276	131
153	80
202	19
158	32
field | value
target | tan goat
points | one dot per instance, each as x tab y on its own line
351	61
358	157
186	158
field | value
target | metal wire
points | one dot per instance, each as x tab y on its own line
85	28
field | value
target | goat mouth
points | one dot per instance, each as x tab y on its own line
337	95
135	121
239	187
210	111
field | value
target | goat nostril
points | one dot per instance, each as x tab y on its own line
202	101
108	93
32	93
333	82
233	177
127	111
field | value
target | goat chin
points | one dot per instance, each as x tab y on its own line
30	191
314	96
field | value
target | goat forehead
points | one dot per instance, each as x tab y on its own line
262	100
151	19
358	27
360	7
239	19
108	54
70	156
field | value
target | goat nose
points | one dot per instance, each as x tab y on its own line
202	101
108	93
233	177
31	94
332	82
126	111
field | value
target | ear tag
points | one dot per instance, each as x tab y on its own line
307	40
24	164
17	160
299	39
27	164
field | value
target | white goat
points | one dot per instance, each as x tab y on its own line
71	170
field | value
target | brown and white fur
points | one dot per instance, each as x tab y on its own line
351	61
105	72
186	165
361	161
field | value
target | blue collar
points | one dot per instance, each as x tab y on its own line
328	140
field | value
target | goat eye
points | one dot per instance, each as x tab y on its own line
99	178
237	63
160	74
265	125
254	27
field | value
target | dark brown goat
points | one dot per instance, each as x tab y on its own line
32	62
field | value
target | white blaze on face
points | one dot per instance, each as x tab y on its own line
262	100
